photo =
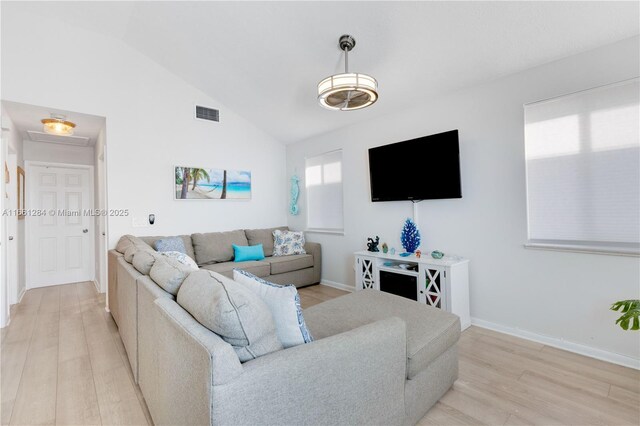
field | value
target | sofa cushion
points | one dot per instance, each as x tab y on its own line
169	274
231	311
186	240
258	268
214	247
295	262
133	249
127	241
264	237
143	260
284	303
430	331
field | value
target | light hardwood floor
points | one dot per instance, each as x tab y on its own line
62	362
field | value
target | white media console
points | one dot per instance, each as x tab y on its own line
442	283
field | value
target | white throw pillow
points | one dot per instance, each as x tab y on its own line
182	258
286	243
284	303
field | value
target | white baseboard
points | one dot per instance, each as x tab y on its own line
96	284
337	285
589	351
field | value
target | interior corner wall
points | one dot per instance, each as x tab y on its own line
150	125
560	295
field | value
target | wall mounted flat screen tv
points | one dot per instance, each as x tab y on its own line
425	168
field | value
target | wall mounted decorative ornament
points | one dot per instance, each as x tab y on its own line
295	193
192	183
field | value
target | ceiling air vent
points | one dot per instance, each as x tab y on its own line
205	113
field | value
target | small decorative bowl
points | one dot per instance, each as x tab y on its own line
436	254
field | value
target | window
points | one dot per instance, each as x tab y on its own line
583	170
323	180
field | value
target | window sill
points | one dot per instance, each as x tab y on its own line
593	249
324	231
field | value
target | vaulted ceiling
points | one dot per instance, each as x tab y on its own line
264	59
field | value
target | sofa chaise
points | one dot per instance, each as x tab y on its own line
376	358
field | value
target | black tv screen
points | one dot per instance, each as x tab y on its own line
425	168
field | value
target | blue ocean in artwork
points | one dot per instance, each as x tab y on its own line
209	184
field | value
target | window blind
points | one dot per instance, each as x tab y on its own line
583	169
323	182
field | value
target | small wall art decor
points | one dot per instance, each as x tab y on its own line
295	193
192	183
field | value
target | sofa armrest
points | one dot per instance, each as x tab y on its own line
355	377
191	359
315	250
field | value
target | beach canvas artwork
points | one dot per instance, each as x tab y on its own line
192	183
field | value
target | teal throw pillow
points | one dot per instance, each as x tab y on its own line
245	253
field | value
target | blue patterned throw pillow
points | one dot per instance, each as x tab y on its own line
283	302
182	258
170	244
286	243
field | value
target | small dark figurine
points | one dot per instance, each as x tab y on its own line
372	244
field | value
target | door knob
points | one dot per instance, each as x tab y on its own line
10	238
85	231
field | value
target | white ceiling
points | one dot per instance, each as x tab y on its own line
264	59
27	117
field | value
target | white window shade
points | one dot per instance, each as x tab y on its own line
583	169
323	182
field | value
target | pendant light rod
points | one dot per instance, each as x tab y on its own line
346	60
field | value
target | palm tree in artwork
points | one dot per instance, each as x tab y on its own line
185	182
224	185
199	174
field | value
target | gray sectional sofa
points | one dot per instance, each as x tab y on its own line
376	358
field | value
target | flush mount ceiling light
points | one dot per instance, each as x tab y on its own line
347	91
57	125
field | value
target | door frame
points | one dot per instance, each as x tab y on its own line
29	165
12	225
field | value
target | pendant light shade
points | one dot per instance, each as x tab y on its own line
347	91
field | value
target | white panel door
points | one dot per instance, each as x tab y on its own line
60	244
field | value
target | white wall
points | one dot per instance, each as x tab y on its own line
150	126
559	295
49	152
15	146
100	199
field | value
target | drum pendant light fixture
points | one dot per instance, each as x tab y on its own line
347	91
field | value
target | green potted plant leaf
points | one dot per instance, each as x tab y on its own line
630	310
